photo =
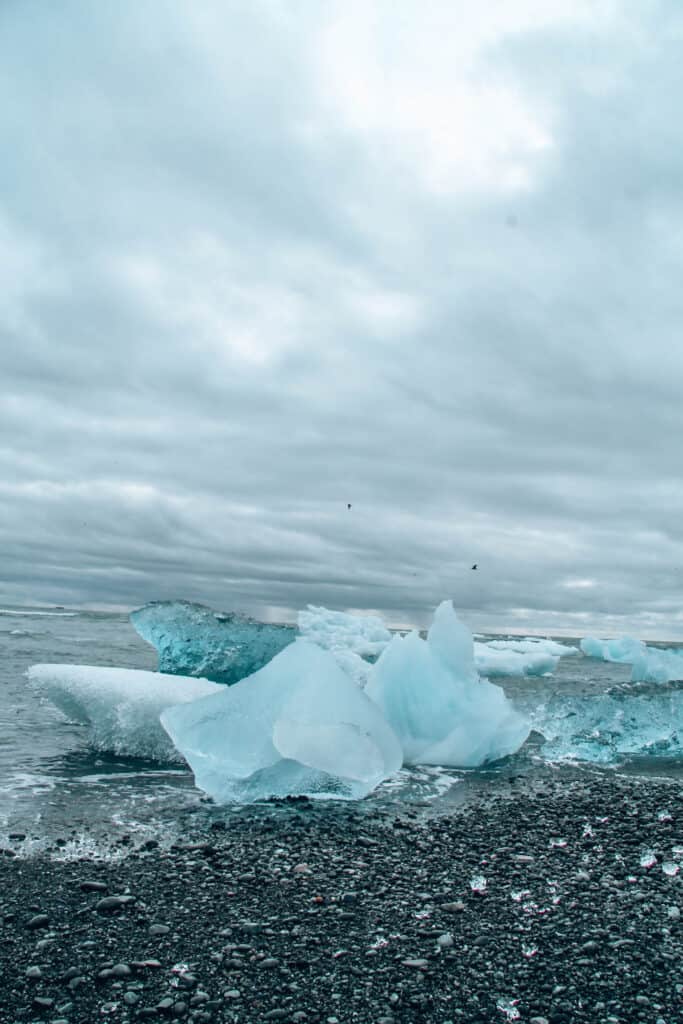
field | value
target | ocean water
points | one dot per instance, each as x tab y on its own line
54	786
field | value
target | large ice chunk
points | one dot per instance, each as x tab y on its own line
640	719
441	710
355	641
650	664
299	726
121	706
194	640
622	649
657	665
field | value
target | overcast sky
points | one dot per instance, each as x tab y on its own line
260	260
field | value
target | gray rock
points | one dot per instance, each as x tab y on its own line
39	921
111	904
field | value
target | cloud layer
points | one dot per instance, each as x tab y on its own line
257	264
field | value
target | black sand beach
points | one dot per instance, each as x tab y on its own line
319	914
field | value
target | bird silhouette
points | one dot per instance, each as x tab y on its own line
348	505
474	566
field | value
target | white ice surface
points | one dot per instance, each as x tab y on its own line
533	645
493	661
436	702
351	639
121	706
298	726
363	634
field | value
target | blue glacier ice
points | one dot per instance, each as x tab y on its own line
442	711
194	640
657	665
622	649
649	664
633	719
120	706
298	726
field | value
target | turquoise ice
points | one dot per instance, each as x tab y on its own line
443	712
299	726
194	640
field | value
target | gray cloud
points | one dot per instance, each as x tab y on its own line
255	265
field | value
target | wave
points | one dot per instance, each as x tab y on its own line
31	612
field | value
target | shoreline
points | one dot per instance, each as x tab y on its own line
326	918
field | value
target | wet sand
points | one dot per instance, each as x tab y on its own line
533	907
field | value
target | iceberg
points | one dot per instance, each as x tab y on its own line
623	649
649	664
641	719
433	697
355	641
121	706
493	661
657	665
298	726
194	640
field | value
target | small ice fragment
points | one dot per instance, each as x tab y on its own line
478	883
670	868
588	832
557	842
665	816
379	943
520	894
677	852
529	951
445	941
674	913
508	1007
648	859
180	970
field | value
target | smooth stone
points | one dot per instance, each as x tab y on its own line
39	921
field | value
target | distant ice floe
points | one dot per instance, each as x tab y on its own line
534	645
120	706
623	649
496	662
443	712
648	664
299	726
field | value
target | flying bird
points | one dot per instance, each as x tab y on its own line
474	566
348	505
